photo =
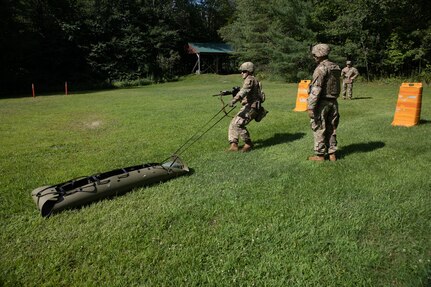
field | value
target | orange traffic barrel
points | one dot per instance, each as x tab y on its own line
301	96
408	110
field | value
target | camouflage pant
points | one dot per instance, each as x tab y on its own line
347	88
237	127
324	126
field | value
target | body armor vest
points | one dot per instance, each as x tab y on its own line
333	85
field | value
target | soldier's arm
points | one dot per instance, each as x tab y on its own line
355	74
245	90
316	88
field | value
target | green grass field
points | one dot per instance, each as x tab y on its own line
264	218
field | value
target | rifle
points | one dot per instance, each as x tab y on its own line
232	92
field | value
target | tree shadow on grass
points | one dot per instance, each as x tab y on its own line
360	147
424	122
278	138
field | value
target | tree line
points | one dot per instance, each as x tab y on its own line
93	43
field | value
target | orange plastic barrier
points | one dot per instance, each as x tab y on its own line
408	110
301	96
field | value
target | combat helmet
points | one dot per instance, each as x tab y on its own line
247	66
321	50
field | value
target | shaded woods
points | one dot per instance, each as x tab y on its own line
93	43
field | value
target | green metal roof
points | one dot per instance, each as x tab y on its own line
209	48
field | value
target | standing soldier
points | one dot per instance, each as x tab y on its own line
349	74
322	104
250	97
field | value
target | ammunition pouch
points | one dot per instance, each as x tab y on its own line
252	113
256	105
260	114
257	112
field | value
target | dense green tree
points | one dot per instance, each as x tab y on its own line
38	44
292	36
380	36
94	41
12	27
130	38
273	34
145	38
213	14
91	41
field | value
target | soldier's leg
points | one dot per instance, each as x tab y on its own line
234	131
319	130
319	141
344	90
319	145
333	120
349	90
246	115
243	131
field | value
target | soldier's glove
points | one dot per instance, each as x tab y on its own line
232	103
311	114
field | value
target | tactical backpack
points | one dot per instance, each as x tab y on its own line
333	85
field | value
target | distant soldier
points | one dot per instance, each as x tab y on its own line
322	104
349	74
250	98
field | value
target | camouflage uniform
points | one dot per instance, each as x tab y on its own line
322	103
348	74
249	96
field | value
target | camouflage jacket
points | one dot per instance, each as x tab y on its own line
249	92
322	86
349	74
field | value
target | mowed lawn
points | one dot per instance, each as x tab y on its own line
264	218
